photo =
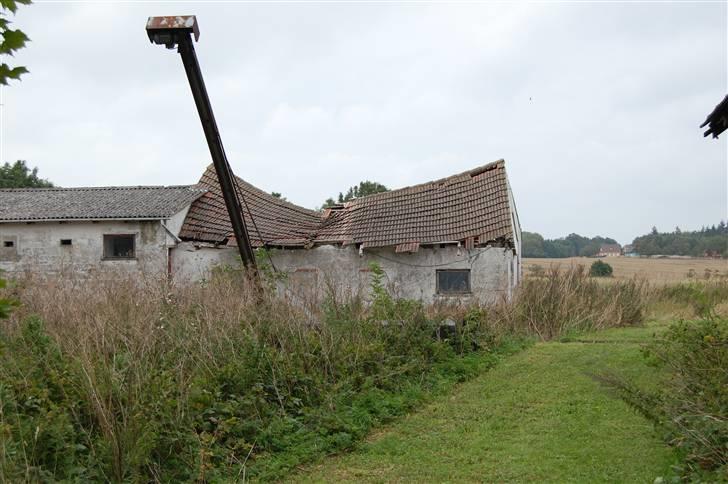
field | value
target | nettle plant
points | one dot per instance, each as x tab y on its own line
385	307
6	304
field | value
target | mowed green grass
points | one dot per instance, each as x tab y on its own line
538	416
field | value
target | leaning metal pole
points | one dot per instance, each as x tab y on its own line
178	30
214	142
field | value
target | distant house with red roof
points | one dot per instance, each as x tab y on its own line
609	250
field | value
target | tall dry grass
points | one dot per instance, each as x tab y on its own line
121	379
566	301
138	380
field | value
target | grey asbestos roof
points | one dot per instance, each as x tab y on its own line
105	203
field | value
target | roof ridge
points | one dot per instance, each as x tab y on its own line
500	163
101	188
254	188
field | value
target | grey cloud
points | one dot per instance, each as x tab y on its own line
594	107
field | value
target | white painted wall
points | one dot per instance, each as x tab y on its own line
311	272
38	246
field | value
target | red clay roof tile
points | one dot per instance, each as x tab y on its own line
471	204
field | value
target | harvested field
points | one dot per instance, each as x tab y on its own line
655	270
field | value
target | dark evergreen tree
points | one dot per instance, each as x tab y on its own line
362	190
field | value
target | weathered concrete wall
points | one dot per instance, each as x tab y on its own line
516	267
310	273
38	248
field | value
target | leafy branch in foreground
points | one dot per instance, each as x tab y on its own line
690	406
12	40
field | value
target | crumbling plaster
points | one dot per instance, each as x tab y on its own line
310	273
38	249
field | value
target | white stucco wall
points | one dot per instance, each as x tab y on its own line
38	248
311	272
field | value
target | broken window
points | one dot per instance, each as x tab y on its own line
119	246
453	281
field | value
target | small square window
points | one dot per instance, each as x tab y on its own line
453	281
119	246
9	248
66	242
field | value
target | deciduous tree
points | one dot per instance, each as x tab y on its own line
11	40
19	175
362	190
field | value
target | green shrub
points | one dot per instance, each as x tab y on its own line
703	297
6	303
692	404
600	269
121	380
118	380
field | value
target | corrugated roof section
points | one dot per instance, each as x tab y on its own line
470	206
117	203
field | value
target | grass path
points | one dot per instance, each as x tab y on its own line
537	416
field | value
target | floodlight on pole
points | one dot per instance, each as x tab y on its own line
177	31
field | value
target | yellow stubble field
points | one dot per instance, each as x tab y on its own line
655	270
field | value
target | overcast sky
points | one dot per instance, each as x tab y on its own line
595	107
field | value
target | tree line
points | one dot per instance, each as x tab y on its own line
573	245
711	240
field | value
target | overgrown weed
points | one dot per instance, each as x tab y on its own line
117	379
691	405
570	301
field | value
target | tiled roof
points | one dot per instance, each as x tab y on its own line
279	222
472	207
117	203
471	204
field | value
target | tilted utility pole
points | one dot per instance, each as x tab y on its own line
177	32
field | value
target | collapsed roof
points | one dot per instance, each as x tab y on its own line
102	203
472	207
277	222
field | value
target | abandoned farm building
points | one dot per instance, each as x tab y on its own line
458	237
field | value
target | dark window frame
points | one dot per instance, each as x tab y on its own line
106	256
440	292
